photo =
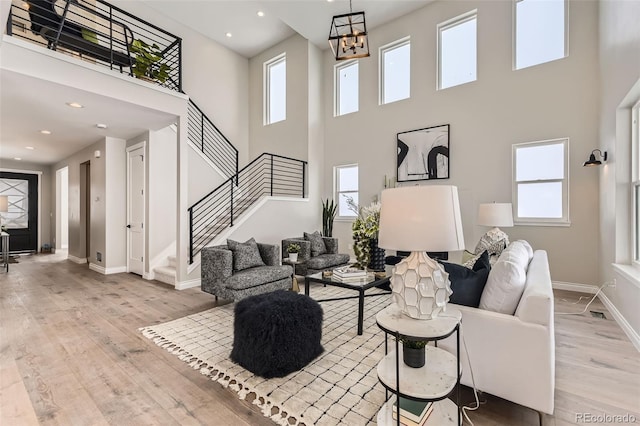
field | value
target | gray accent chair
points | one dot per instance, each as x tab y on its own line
313	264
219	278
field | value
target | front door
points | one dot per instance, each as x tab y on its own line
21	219
135	210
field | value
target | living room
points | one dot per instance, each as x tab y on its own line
582	97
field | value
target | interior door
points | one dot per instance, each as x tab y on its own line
135	211
21	219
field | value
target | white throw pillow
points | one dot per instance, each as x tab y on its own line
527	246
504	287
517	253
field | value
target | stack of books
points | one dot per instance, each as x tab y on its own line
349	275
412	413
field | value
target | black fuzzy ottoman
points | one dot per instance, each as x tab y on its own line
276	333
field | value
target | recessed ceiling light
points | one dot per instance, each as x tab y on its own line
229	35
101	126
30	148
260	13
45	132
75	105
17	158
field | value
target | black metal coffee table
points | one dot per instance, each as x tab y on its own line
360	286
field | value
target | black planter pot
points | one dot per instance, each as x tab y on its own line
413	357
377	256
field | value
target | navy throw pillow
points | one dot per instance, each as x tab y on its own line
467	284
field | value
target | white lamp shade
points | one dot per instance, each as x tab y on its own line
495	214
421	218
4	203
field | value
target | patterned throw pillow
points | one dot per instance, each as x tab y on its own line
317	243
245	255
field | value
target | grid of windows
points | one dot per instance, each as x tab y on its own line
346	186
395	71
457	50
540	31
540	185
275	89
346	88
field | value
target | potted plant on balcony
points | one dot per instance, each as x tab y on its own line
147	64
293	249
413	352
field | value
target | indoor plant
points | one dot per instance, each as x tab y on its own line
413	352
365	234
293	249
328	215
147	62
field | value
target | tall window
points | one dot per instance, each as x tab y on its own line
635	153
395	71
275	89
540	31
541	182
346	186
457	50
346	88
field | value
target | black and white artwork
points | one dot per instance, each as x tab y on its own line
423	154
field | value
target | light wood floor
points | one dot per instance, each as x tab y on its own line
71	353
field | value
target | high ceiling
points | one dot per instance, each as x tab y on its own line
29	105
251	34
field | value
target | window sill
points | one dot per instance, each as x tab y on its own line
630	272
344	219
534	223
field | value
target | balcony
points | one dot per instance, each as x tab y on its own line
102	34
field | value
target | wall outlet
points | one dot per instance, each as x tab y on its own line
99	256
612	284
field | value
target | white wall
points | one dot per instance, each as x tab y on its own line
503	107
291	136
620	87
115	205
202	177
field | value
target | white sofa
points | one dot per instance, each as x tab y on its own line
513	356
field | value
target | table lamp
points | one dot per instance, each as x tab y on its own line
420	219
496	215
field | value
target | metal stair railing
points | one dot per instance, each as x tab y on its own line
267	175
204	135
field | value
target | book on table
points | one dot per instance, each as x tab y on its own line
412	413
347	272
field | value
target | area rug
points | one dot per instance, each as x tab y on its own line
340	387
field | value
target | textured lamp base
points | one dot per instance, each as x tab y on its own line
420	286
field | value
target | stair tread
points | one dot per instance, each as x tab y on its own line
166	270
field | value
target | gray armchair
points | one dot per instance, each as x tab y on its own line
312	264
220	279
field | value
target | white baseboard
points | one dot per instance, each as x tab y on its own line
579	288
149	275
622	322
78	260
183	285
107	271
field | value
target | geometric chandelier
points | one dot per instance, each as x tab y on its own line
348	36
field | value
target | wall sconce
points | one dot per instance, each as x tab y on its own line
592	158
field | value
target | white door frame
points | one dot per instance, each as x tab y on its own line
39	173
129	149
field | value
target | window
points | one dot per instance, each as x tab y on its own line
457	50
395	71
540	28
17	193
635	185
345	83
346	184
540	186
275	89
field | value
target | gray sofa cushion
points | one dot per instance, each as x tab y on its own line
259	275
317	243
327	260
245	255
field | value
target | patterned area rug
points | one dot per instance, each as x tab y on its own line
340	387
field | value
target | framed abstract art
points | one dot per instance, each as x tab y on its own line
423	154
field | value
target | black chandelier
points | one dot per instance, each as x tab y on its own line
348	35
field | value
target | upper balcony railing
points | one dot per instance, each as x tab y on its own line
96	31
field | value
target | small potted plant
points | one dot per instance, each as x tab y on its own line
147	62
293	249
413	353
